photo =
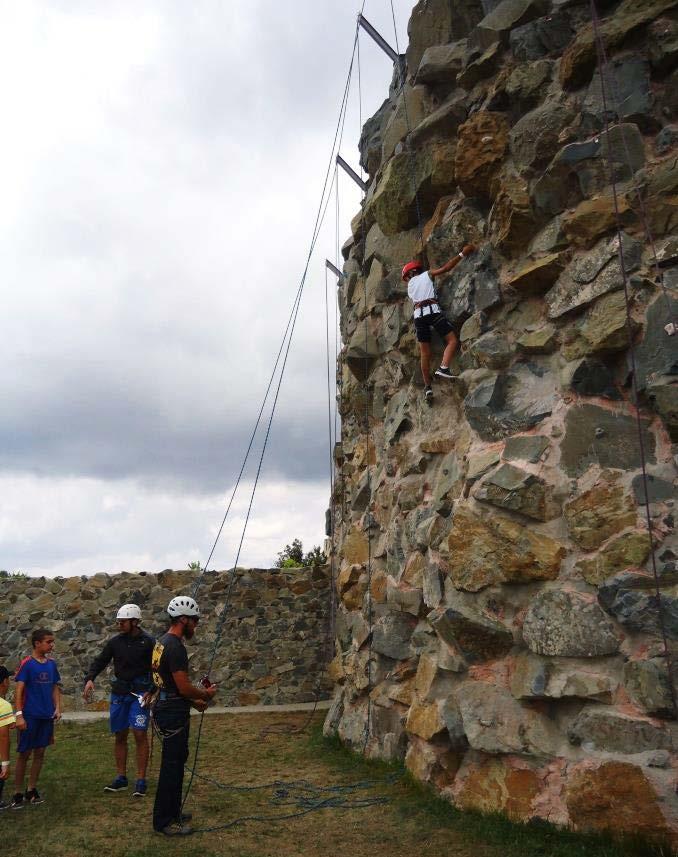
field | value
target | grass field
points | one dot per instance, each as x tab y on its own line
79	819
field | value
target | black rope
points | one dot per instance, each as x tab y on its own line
368	512
402	78
304	796
320	216
606	74
632	359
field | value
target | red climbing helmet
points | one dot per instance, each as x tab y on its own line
411	266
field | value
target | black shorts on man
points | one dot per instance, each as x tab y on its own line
435	320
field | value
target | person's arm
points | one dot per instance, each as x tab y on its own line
19	704
4	753
190	691
98	665
56	699
467	249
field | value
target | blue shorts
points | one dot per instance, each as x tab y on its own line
39	732
126	712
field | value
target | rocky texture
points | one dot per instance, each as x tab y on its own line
498	624
271	649
564	623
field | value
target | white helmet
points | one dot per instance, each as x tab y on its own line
182	605
129	611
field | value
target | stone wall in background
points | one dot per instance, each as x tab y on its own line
498	619
273	645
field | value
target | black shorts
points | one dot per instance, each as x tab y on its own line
436	320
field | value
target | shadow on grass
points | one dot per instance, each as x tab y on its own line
536	838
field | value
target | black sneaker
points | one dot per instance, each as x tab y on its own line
428	393
139	789
17	801
444	372
4	805
33	796
118	784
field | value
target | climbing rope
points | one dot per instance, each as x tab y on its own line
303	796
602	60
607	75
366	389
325	198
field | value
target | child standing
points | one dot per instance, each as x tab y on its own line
7	721
38	704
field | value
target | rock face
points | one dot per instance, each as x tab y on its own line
498	624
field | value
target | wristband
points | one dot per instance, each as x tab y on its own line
5	765
461	255
18	714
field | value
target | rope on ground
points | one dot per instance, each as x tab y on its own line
600	48
304	796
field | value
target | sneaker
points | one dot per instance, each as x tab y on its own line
33	796
17	801
118	784
4	805
428	392
444	372
176	830
139	789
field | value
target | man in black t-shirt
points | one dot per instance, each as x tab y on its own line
171	713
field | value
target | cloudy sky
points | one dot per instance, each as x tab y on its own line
161	167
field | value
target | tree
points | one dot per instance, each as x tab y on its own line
293	556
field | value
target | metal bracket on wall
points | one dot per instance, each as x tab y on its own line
352	173
378	38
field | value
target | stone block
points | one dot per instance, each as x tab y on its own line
526	448
475	636
495	722
630	597
601	512
592	275
481	145
494	785
541	37
510	403
579	58
599	728
594	435
615	796
537	276
562	678
544	340
568	624
629	550
425	720
391	635
441	64
647	683
512	488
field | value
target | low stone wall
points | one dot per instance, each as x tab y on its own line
271	651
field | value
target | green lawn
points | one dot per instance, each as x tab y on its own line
79	819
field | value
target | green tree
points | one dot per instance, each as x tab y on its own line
293	556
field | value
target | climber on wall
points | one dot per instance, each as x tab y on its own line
428	315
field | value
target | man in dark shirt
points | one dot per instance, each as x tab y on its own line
171	713
131	652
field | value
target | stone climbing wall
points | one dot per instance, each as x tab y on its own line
273	645
498	617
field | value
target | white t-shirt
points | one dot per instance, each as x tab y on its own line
420	288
